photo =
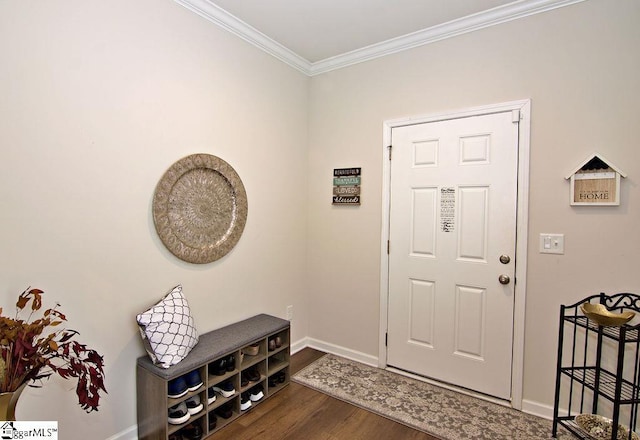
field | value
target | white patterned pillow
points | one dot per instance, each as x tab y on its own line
168	330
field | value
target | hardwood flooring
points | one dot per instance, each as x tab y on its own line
300	413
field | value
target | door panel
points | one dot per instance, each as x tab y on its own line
421	312
452	214
470	321
472	235
423	215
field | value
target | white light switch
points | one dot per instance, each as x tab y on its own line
552	243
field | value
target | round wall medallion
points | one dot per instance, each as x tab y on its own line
200	208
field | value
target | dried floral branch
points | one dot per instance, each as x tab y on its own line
29	355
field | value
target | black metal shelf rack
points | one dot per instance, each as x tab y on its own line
592	379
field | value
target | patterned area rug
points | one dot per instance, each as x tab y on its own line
437	411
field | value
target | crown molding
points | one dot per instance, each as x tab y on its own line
228	22
501	14
471	23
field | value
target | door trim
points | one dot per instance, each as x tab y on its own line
522	227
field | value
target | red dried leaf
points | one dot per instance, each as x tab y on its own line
68	334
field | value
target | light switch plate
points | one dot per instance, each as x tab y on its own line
552	243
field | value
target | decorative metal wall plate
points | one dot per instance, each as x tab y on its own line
200	208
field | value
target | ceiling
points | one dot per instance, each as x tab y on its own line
316	36
320	29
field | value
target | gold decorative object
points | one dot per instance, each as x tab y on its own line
600	428
8	402
200	208
601	315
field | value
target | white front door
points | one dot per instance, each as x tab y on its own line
452	232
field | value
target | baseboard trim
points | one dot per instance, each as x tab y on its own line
131	433
537	409
298	345
338	350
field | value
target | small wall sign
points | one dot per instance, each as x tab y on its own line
346	186
596	182
447	209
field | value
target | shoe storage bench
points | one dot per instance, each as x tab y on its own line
231	344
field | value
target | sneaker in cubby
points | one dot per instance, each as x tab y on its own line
178	414
194	405
226	388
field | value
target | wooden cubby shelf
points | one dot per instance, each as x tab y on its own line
258	345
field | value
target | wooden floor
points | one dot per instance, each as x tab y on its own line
300	413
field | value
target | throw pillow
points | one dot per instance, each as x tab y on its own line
168	330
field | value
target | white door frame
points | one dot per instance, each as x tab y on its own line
522	226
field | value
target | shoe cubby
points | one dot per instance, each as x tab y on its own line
190	430
224	414
277	361
242	365
190	404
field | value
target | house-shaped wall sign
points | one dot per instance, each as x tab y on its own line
596	182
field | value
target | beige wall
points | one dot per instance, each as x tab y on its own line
97	100
579	67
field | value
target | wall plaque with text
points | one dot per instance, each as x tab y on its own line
596	182
346	186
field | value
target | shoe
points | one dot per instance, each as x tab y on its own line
219	367
225	411
194	381
194	406
231	363
278	342
178	414
243	380
225	388
256	393
245	401
252	349
175	436
252	375
213	421
211	396
192	431
272	344
177	388
273	382
281	377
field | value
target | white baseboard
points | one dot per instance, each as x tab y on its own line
342	351
298	345
537	409
131	433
